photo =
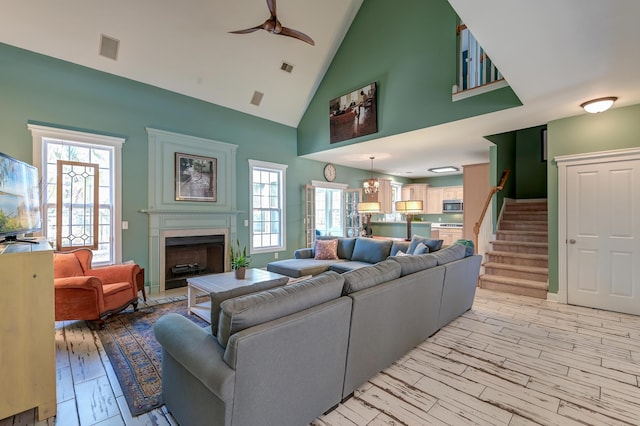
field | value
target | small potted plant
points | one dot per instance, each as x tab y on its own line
239	260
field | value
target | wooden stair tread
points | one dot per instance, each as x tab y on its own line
519	255
513	232
518	268
520	243
521	282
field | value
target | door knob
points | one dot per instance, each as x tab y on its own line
572	241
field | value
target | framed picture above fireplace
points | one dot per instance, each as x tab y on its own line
196	178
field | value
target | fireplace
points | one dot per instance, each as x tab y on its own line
188	256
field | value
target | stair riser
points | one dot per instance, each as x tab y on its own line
505	246
533	276
523	226
520	261
540	216
522	291
522	237
525	207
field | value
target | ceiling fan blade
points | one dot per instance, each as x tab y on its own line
271	4
248	30
297	34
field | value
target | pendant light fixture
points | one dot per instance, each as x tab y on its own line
371	185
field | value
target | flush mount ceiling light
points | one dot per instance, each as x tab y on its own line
447	169
599	105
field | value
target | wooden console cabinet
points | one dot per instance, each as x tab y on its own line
27	330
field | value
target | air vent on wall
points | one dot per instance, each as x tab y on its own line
257	98
286	67
109	47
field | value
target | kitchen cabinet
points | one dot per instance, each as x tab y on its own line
27	334
383	196
416	191
452	193
449	235
434	200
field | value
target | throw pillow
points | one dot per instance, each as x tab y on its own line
434	245
371	251
421	248
326	250
401	253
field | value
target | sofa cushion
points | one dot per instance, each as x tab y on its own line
370	250
247	311
399	246
219	297
347	266
297	268
450	254
326	250
421	248
362	278
434	245
411	264
345	245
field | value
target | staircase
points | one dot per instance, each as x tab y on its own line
519	261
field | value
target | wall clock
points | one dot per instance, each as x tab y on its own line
330	172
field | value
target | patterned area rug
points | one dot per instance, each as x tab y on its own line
136	355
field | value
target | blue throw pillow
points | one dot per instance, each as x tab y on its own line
421	248
434	245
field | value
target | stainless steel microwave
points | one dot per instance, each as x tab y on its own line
452	206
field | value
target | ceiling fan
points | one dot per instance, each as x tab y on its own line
274	26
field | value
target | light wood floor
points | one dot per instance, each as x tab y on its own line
511	360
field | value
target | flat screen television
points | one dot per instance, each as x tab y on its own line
19	200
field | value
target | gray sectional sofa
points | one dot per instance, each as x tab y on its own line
286	355
352	253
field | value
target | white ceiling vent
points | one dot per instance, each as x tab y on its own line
286	67
109	47
257	98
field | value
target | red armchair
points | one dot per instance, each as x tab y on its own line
82	293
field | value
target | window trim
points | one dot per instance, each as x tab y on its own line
281	168
39	132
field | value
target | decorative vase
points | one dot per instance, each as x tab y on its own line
240	273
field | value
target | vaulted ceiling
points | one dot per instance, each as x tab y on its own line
554	54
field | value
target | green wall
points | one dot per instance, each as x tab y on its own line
618	128
410	52
530	169
40	89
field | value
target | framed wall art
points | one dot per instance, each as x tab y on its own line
196	178
353	114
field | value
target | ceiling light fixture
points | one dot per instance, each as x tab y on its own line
446	169
599	105
371	185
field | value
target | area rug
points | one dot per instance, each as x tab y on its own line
135	354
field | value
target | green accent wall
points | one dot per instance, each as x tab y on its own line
530	169
410	52
39	89
617	128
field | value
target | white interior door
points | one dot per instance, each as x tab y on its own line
602	244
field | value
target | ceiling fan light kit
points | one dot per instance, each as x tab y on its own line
274	26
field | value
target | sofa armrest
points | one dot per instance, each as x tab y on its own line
198	352
304	253
78	283
116	273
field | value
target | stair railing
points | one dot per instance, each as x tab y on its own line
492	191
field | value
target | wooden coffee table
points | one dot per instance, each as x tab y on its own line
215	283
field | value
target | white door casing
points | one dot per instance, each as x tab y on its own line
598	230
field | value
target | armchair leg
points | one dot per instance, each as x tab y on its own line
96	324
135	305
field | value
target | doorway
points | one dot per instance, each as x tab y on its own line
599	230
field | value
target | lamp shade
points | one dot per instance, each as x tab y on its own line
409	206
369	207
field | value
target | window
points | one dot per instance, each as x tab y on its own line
267	219
52	144
329	211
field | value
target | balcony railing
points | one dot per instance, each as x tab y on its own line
475	68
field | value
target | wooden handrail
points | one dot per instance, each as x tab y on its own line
492	191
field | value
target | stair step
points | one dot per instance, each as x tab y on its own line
526	206
514	285
532	273
525	215
528	236
516	258
520	246
523	225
